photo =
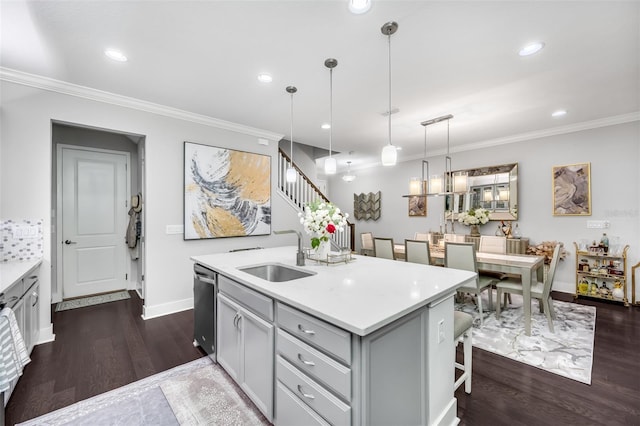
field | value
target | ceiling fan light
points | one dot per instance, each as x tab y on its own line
389	155
330	166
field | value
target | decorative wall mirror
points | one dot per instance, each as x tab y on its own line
494	188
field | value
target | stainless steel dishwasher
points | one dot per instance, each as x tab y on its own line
205	292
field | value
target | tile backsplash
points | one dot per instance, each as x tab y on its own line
21	239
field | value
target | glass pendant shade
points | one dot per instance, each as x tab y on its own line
291	175
503	195
415	186
460	182
488	197
389	155
330	166
436	184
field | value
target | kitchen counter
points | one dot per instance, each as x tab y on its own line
10	272
361	296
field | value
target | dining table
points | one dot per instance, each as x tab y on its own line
529	267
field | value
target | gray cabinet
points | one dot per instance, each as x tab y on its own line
246	343
32	316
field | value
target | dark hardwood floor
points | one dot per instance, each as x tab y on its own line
99	348
106	346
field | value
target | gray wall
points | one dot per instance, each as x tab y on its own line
614	155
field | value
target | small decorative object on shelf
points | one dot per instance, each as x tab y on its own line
516	232
601	274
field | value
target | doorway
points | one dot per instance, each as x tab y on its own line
95	172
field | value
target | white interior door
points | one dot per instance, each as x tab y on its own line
94	215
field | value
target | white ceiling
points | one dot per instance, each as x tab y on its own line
450	57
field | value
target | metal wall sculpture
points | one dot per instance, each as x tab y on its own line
227	193
366	206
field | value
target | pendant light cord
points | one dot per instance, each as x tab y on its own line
389	37
291	129
330	108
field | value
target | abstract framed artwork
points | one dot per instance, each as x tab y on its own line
417	205
572	190
227	193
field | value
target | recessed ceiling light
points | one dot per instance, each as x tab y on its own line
325	126
116	55
265	78
559	113
359	7
531	48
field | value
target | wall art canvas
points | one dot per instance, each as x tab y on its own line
417	205
227	193
572	190
367	206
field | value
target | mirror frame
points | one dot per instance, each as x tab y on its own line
510	214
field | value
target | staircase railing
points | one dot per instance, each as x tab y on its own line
303	191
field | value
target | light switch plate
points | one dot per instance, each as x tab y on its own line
175	229
598	224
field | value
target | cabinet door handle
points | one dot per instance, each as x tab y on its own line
306	395
236	319
305	362
35	294
305	331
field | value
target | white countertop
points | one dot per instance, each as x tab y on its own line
10	272
361	296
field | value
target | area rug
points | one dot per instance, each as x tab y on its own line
208	397
568	352
144	402
92	300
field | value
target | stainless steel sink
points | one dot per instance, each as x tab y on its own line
276	272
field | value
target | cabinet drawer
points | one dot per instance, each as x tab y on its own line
290	411
256	302
315	364
318	333
311	393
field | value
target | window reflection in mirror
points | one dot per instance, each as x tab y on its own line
494	188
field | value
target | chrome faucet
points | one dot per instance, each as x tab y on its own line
300	254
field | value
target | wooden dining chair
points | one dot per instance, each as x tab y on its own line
417	251
463	256
383	247
539	290
366	243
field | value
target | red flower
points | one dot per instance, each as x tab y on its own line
331	228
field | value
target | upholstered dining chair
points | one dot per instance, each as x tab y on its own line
416	251
383	247
421	236
366	242
539	290
463	256
462	329
494	244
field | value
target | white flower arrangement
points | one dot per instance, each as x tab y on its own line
321	220
474	217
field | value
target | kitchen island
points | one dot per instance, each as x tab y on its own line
363	343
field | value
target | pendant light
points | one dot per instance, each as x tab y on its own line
349	177
330	163
291	171
389	152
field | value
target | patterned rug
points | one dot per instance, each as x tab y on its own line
198	392
92	300
568	352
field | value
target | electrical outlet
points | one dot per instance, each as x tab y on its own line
441	331
175	229
598	224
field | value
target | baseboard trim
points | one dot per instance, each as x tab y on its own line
45	335
163	309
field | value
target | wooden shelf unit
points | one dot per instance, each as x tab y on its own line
597	262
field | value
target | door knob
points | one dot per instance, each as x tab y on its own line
69	242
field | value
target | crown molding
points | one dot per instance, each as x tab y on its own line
537	134
63	87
